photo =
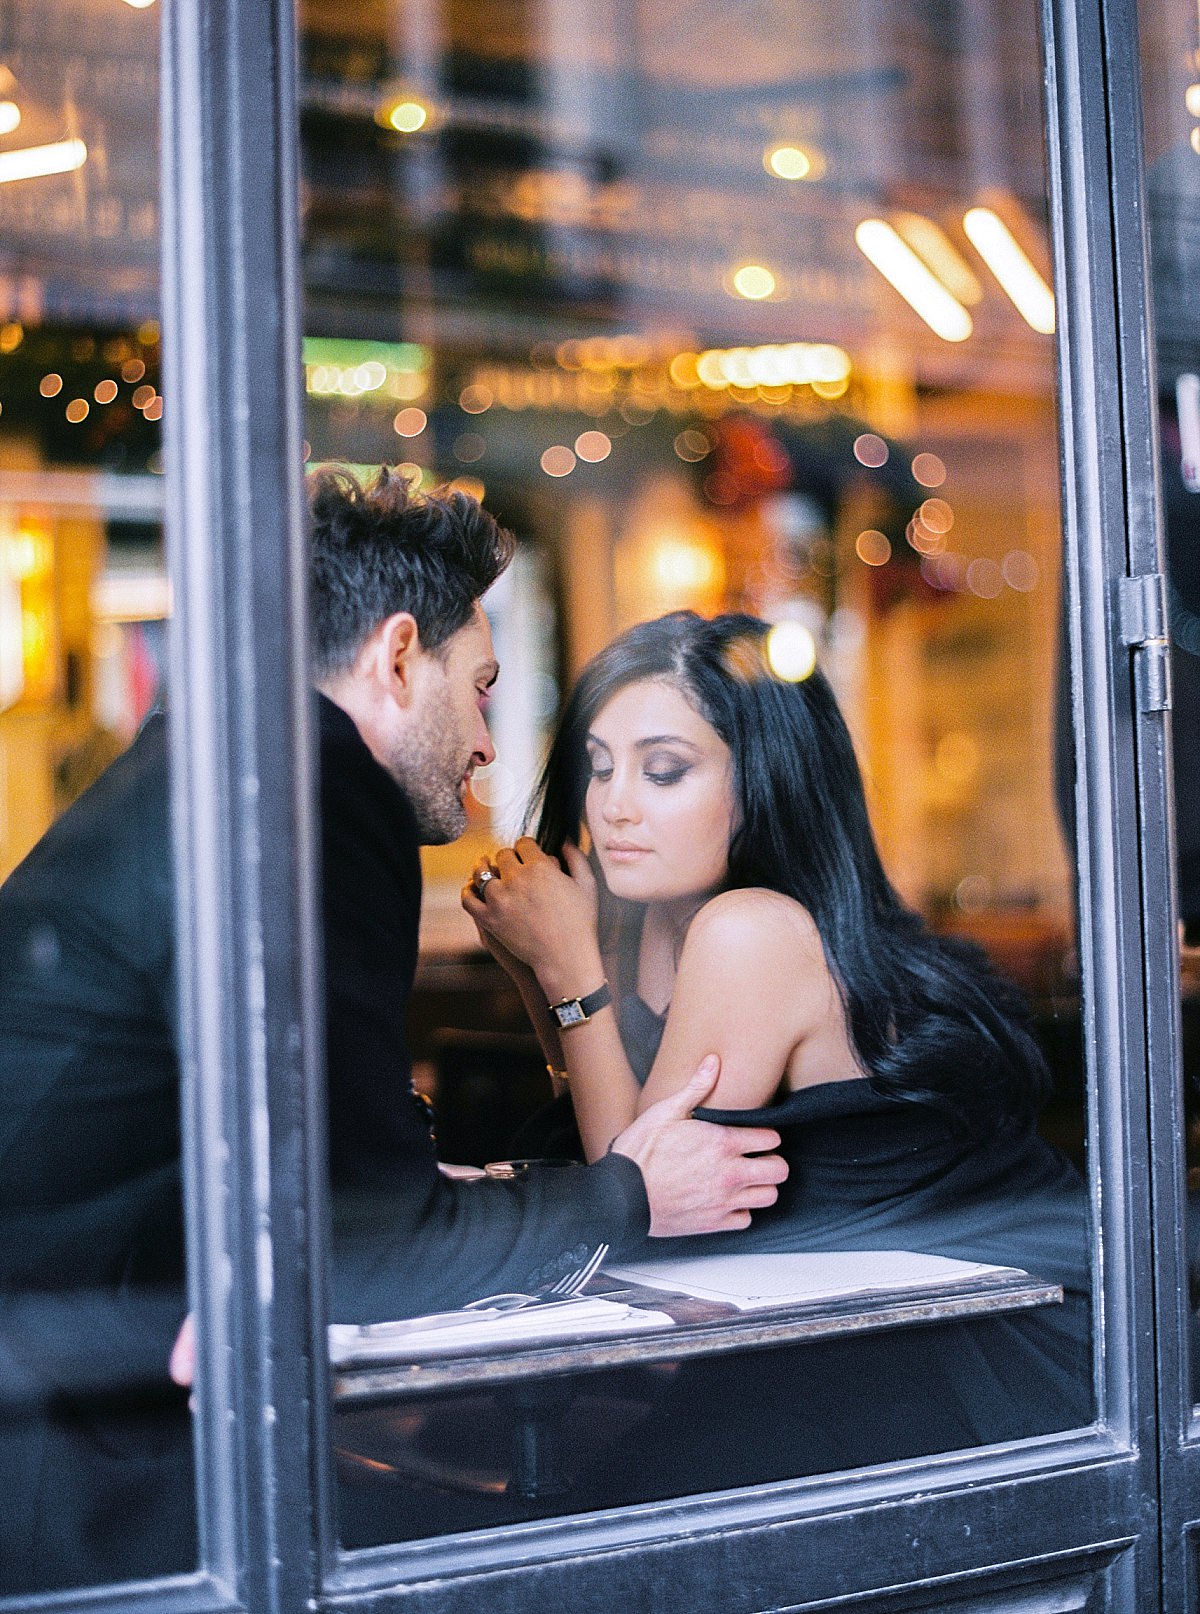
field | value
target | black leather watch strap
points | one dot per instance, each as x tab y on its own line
575	1011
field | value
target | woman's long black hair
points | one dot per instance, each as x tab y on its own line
928	1018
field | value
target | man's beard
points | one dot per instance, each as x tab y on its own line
430	773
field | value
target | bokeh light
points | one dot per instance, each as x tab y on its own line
870	450
791	652
873	547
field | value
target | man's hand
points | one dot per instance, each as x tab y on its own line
698	1177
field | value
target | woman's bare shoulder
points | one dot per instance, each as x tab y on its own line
753	923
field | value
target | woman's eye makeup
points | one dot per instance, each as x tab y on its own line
665	769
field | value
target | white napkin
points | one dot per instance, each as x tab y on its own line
454	1332
750	1282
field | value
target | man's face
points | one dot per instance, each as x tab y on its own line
445	737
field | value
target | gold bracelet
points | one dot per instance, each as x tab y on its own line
557	1075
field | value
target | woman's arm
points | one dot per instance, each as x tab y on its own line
752	983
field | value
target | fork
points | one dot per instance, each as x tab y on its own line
568	1287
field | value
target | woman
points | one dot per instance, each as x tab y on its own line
734	901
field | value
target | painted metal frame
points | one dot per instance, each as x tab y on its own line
1062	1522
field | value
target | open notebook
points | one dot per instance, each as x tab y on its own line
753	1281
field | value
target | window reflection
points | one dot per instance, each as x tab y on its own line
95	1448
715	312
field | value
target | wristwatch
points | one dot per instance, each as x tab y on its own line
574	1011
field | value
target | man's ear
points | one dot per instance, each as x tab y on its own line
395	654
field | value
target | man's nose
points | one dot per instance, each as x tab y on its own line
484	752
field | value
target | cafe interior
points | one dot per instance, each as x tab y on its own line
715	308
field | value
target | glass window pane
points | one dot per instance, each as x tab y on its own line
1171	95
718	311
95	1448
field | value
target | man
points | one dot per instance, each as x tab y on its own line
91	1250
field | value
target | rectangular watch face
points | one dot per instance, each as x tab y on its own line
570	1014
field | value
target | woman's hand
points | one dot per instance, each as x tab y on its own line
525	904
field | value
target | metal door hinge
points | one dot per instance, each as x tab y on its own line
1142	622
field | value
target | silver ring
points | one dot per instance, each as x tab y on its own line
482	878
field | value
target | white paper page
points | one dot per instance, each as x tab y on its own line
750	1281
449	1332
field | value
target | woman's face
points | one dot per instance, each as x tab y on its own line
659	805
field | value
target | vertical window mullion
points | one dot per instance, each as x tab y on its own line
243	815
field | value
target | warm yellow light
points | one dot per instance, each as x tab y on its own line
132	370
25	555
683	566
1195	139
921	290
34	162
471	486
791	652
105	391
710	370
10	117
77	410
406	115
931	243
793	162
50	385
144	396
998	247
1191	99
682	370
12	334
774	365
754	282
830	389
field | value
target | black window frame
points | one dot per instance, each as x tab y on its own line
1062	1522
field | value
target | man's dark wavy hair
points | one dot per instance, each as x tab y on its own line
381	549
928	1018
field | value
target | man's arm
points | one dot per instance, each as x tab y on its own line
667	1175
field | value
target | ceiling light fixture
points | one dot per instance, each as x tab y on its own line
999	249
935	248
33	162
921	289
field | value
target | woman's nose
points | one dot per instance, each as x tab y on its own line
618	806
